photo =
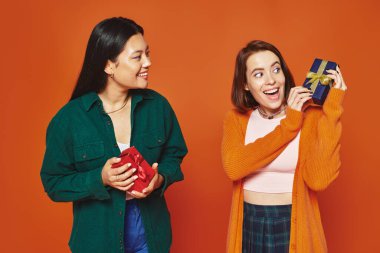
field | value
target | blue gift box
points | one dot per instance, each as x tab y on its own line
318	82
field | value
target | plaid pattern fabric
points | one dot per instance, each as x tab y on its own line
266	229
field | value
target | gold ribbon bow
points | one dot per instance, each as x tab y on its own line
318	77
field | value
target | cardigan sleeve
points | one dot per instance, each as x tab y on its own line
323	160
240	160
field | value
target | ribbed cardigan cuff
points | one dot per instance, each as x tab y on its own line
335	98
293	119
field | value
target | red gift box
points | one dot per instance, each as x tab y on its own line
144	172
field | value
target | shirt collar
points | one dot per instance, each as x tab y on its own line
89	99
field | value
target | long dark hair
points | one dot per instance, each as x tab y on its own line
106	42
241	98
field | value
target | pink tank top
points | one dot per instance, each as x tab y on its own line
276	177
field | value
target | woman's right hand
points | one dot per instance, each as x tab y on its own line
298	96
120	178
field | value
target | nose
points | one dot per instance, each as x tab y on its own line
147	62
270	80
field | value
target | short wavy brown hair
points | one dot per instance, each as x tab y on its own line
241	98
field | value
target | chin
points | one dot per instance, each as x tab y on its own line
275	106
141	85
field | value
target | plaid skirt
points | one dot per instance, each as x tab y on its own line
266	229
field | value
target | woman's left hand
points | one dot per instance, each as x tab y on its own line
155	183
336	75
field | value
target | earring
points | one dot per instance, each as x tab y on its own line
111	75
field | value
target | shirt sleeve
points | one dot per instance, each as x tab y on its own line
174	150
60	179
323	159
240	160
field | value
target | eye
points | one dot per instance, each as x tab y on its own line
258	74
138	57
277	70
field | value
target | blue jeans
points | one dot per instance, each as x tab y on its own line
134	232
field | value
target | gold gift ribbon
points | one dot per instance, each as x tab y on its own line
318	77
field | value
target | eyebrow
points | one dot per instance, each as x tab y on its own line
274	63
141	51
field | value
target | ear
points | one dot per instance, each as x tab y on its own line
109	68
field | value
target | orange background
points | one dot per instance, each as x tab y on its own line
193	45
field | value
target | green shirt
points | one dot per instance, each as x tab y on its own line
80	139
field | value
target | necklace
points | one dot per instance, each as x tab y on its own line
266	116
125	103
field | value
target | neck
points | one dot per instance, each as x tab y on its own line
271	114
113	99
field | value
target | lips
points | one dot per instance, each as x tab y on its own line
271	91
143	75
272	94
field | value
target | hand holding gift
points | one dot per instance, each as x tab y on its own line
336	75
320	79
145	177
121	178
155	183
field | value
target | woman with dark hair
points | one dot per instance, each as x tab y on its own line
279	150
110	110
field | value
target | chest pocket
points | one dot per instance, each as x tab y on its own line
152	145
89	155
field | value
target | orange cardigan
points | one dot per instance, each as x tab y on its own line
318	165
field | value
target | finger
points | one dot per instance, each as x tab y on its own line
127	174
137	194
292	95
305	92
332	71
120	170
114	160
339	71
149	188
302	97
301	102
299	89
308	101
114	178
151	184
295	91
341	76
122	177
299	96
333	75
125	188
305	102
337	80
123	183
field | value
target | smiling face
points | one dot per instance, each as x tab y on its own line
130	69
266	80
